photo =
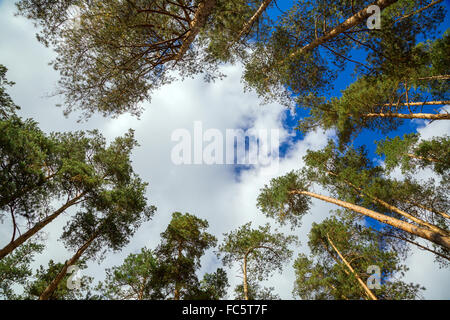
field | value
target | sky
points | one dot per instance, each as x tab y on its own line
226	197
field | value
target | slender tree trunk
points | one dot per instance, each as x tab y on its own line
247	26
355	20
46	294
427	116
405	226
419	245
424	103
202	13
244	269
363	285
176	294
439	77
418	11
394	208
445	215
351	22
413	156
37	227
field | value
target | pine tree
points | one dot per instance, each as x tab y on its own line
339	266
183	243
15	269
113	54
133	280
259	251
356	186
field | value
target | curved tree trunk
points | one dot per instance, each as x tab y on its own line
46	294
363	285
37	227
405	226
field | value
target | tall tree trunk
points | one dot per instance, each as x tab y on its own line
202	13
363	285
393	208
176	294
244	270
37	227
46	294
405	226
427	116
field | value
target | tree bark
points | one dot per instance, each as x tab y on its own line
439	77
424	103
394	208
244	269
37	227
355	20
413	156
405	226
46	294
255	17
176	294
428	116
201	15
418	245
445	215
363	285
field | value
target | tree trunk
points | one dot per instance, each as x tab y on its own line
37	227
176	294
425	103
418	245
413	156
244	269
363	285
247	26
46	294
439	77
428	116
355	20
201	15
394	208
405	226
445	215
